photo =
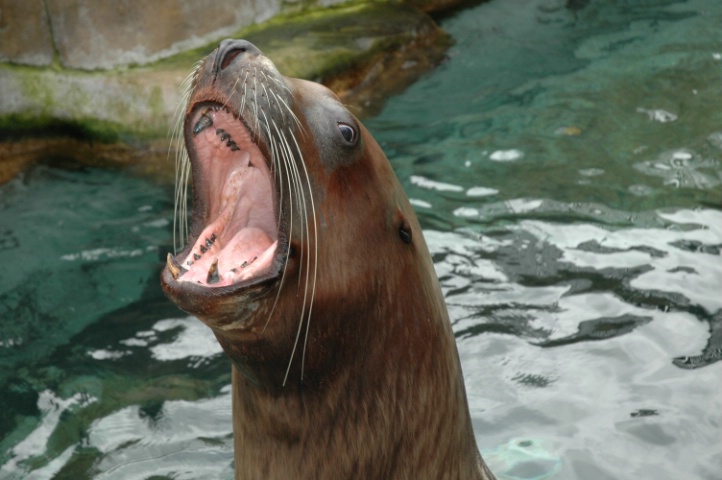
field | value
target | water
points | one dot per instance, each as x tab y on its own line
565	164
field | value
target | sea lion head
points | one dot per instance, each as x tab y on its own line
300	231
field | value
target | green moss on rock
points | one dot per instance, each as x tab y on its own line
133	106
20	126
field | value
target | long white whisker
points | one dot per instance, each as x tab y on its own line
307	299
281	83
281	102
243	99
182	165
255	98
233	92
266	127
315	256
284	161
263	86
180	220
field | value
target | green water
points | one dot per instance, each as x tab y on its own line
566	166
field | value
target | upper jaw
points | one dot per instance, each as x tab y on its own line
235	239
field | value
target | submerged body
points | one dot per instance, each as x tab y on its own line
306	260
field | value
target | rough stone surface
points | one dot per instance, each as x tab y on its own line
24	33
93	34
105	34
347	39
139	101
123	116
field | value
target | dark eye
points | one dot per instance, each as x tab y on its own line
348	132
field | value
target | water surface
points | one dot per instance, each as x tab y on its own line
565	164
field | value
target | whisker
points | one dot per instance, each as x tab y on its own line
266	127
255	98
263	86
245	94
315	256
233	92
307	299
286	161
182	164
279	82
282	102
179	208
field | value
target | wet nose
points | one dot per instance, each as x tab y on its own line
229	49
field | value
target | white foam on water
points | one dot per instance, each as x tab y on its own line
658	115
35	444
194	340
506	155
429	184
481	192
183	440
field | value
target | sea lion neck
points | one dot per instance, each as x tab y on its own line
378	384
347	334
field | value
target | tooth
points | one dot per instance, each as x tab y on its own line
213	237
213	276
203	249
175	269
247	263
204	122
230	143
196	256
208	242
225	136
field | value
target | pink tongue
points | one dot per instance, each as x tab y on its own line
238	238
246	246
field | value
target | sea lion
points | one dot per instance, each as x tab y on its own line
306	260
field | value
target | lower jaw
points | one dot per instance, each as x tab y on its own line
219	307
200	297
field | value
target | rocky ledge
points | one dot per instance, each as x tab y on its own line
77	105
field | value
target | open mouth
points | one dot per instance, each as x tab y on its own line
234	214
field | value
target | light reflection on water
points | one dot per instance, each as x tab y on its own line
187	439
565	164
568	331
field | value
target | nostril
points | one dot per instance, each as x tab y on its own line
229	50
230	56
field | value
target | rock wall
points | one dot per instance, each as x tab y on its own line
105	34
100	78
24	33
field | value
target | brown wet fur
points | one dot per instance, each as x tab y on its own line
381	395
